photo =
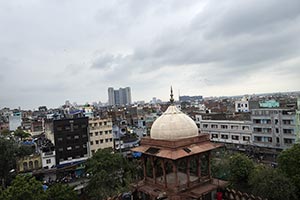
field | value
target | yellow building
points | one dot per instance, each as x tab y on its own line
29	163
100	134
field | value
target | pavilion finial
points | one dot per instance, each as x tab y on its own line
171	95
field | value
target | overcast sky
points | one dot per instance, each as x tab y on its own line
57	50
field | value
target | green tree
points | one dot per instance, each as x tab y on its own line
269	183
24	151
5	132
289	163
240	168
110	173
8	150
21	134
61	192
24	187
220	166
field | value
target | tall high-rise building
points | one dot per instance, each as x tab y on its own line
111	96
121	96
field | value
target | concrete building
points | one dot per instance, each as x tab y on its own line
29	163
242	105
15	121
100	133
238	133
71	140
273	128
48	158
190	98
269	104
297	121
122	96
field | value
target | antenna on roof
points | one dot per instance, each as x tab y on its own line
171	95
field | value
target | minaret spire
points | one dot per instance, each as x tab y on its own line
171	95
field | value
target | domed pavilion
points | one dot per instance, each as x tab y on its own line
176	160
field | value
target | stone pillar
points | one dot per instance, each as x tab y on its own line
144	167
199	166
153	169
176	173
188	171
208	164
163	166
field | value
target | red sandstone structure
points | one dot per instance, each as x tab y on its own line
176	160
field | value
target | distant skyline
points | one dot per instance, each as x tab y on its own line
52	51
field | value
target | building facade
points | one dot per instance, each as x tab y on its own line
100	133
226	131
29	163
71	140
122	96
273	128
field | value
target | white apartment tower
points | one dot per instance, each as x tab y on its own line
121	96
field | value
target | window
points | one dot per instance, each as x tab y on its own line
235	137
267	130
288	141
93	151
60	149
101	132
69	137
91	134
214	126
76	137
77	147
288	131
30	165
84	146
105	123
97	141
224	126
106	132
224	136
101	141
96	133
69	148
255	129
106	140
257	139
59	139
25	166
245	127
234	127
246	138
67	128
59	128
214	136
110	139
48	161
205	125
92	143
256	121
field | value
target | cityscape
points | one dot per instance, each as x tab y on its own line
142	100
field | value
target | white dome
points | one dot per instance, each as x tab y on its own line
173	125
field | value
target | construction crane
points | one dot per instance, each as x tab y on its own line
297	121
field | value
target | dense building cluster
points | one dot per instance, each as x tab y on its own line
64	138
